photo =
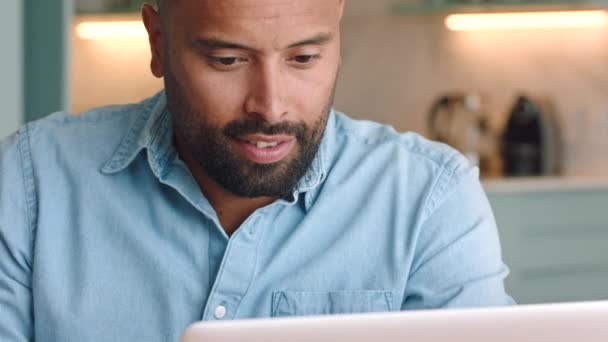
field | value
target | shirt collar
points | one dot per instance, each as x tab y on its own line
317	172
152	130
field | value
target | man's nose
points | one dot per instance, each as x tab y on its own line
267	92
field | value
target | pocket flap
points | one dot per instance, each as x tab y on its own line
301	303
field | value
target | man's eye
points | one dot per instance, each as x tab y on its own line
304	59
225	61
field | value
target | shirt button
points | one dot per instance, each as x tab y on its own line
220	312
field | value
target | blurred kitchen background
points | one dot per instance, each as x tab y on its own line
525	98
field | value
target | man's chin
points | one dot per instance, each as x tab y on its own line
260	180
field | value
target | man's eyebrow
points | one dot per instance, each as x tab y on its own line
319	39
214	43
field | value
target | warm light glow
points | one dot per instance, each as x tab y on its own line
111	30
529	20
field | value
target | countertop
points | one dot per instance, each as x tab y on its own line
544	184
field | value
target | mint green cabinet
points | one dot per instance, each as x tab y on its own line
47	26
109	6
555	243
476	6
11	66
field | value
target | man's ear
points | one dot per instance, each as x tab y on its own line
152	21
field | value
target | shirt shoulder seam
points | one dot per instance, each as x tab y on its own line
440	186
29	184
341	130
97	115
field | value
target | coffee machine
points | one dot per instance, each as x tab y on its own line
459	120
530	142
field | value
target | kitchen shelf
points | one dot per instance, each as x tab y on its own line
441	7
110	6
110	11
544	184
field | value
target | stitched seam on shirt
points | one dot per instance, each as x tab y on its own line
388	296
277	297
444	248
448	244
219	276
255	267
125	147
97	115
368	141
158	125
393	139
161	126
29	185
128	140
439	187
108	113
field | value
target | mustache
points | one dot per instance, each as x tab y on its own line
252	126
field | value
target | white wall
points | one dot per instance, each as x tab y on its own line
110	71
395	66
11	67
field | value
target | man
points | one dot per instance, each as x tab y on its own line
236	193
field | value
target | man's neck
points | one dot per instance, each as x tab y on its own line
232	210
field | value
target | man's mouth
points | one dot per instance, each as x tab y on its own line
265	149
263	144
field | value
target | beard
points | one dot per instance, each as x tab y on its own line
211	147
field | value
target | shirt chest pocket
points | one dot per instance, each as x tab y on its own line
298	303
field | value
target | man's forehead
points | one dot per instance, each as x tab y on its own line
263	25
255	9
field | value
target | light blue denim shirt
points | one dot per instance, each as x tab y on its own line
106	236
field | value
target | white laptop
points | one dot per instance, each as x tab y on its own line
578	322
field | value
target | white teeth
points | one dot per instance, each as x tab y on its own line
263	144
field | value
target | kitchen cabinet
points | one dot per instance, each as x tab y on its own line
11	68
554	237
448	6
46	45
108	6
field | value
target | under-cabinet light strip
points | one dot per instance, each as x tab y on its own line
526	20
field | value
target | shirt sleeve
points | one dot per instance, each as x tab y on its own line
457	260
16	317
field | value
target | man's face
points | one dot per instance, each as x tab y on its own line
250	84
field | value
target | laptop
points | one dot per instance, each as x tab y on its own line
578	322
